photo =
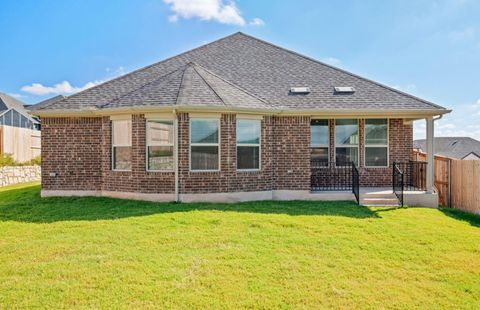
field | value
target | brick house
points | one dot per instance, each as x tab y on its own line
235	119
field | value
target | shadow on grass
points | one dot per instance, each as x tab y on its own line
25	205
472	219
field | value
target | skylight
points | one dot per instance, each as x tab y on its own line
300	90
344	90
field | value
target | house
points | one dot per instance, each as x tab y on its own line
235	119
464	148
19	131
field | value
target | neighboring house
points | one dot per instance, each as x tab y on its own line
454	147
236	119
19	131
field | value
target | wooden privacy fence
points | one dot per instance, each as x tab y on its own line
22	143
457	182
465	179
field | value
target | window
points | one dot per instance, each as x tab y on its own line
160	145
16	119
248	144
122	144
319	140
8	118
376	143
204	146
24	121
346	141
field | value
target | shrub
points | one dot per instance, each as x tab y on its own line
6	160
36	161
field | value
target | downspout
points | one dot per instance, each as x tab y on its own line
273	184
175	142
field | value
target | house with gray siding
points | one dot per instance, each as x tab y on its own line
19	131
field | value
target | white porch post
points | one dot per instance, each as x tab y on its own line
430	154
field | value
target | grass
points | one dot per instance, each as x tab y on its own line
109	253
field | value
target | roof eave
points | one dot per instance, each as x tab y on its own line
405	113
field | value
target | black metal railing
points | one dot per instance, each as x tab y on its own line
397	183
356	182
414	175
331	176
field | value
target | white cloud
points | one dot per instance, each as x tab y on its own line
18	96
332	61
257	22
466	34
65	88
215	10
462	122
406	88
116	72
173	18
476	106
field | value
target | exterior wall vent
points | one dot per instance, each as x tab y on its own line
344	90
300	90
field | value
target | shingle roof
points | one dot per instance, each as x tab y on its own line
8	102
454	147
241	67
45	103
190	85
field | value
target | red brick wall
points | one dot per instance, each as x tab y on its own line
138	179
292	152
79	150
71	149
228	179
400	150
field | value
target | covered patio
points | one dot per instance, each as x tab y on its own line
411	181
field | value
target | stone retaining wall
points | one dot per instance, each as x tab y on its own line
19	174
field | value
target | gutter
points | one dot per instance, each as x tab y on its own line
413	114
175	142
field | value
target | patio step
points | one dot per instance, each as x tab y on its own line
380	201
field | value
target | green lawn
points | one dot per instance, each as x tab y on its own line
109	253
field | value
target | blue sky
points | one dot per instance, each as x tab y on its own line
427	48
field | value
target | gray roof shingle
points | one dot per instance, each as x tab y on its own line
238	69
189	85
454	147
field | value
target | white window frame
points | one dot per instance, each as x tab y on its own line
375	145
114	146
204	144
313	146
159	144
345	145
250	144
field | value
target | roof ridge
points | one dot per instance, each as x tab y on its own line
143	86
341	70
151	65
181	84
208	84
471	152
231	83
